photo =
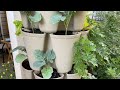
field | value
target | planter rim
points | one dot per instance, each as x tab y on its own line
75	74
61	75
33	34
65	36
27	70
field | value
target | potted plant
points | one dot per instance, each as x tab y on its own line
26	70
33	38
63	41
84	58
45	25
27	23
23	59
43	62
77	22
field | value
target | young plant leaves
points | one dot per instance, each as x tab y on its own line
18	25
36	18
50	56
20	58
47	72
39	64
57	18
39	55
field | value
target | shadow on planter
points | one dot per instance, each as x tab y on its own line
26	70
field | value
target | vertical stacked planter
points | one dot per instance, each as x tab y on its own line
50	38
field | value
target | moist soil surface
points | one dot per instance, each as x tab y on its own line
63	33
26	65
36	31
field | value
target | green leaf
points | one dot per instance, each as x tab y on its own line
22	48
20	58
18	32
68	15
111	71
18	25
39	64
47	72
36	18
67	20
50	56
63	18
56	18
39	55
80	67
93	61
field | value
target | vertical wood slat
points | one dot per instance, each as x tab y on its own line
3	23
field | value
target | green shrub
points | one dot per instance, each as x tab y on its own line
84	57
106	37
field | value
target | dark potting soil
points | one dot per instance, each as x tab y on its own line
26	65
84	30
63	33
36	31
72	70
55	74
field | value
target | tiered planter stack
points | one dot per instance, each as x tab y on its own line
49	37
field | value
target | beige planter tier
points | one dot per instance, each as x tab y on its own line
32	42
45	25
63	48
26	22
26	71
72	76
37	77
79	20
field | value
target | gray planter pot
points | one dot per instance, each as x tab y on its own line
26	70
63	48
45	25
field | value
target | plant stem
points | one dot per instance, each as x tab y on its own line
30	22
66	23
